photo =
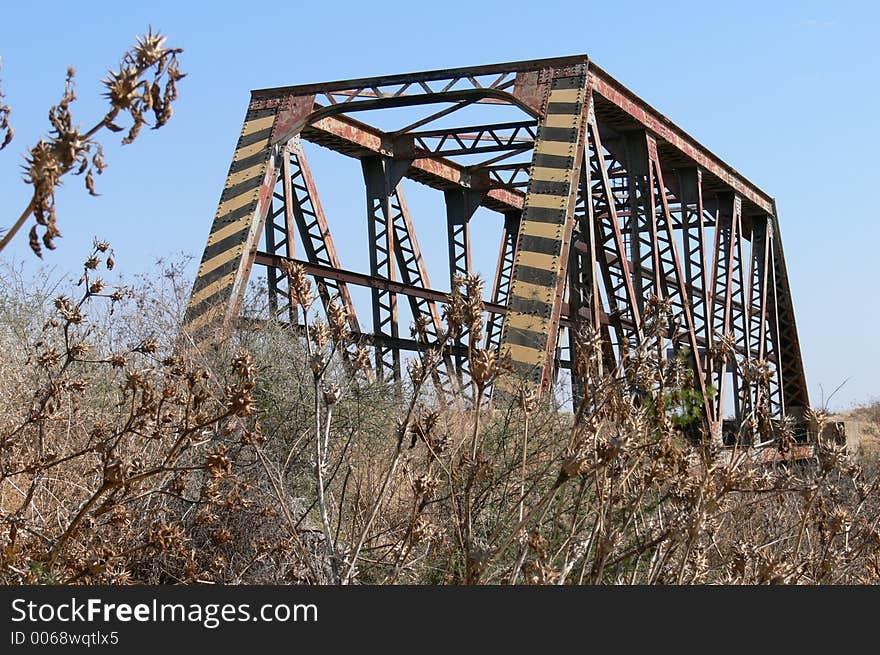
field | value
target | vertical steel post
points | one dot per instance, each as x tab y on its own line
503	275
381	234
460	207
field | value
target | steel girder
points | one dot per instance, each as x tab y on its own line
604	202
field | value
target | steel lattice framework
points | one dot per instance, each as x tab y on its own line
603	202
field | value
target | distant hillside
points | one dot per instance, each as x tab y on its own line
862	428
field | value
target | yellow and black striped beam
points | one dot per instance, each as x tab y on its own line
236	230
533	310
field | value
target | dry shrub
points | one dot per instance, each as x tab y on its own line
125	457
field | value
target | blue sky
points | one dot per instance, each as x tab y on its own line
785	92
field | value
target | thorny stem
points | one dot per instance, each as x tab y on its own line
392	469
104	122
320	456
803	523
536	510
522	479
522	499
698	516
68	533
282	500
568	566
469	525
15	228
406	541
377	503
327	420
319	472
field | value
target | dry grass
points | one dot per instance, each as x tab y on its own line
125	457
863	430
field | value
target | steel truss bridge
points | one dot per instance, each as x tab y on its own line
602	203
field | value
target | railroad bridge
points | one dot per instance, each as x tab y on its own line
601	202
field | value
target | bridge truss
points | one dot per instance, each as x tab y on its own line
602	202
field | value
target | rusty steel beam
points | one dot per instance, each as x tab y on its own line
777	396
380	182
280	237
793	379
693	225
304	205
473	140
758	293
373	282
530	331
417	78
727	236
624	306
583	285
349	137
669	266
503	276
414	273
655	122
460	207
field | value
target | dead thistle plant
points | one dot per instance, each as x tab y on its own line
145	81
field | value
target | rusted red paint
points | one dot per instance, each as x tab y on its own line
292	113
665	129
437	172
531	89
